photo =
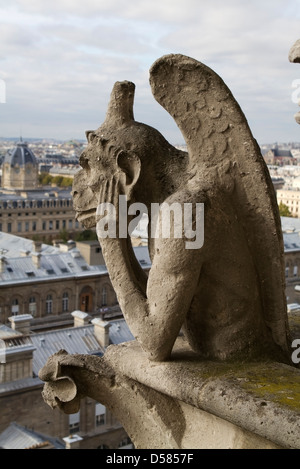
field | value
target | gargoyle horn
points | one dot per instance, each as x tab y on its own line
120	107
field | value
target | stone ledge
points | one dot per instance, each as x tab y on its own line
260	401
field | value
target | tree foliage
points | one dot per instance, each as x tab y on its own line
284	211
45	179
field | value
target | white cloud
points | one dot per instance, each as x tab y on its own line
60	59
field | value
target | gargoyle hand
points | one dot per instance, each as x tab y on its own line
60	389
109	210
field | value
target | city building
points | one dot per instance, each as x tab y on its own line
279	156
26	209
23	354
291	239
16	436
49	282
291	198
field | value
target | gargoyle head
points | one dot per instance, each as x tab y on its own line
120	147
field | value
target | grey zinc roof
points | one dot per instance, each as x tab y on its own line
7	332
17	437
36	194
291	241
291	233
20	155
54	263
290	224
12	245
80	340
20	384
74	340
119	332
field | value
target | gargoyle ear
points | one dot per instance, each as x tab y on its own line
130	164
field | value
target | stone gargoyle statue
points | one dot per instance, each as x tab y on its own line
294	57
227	295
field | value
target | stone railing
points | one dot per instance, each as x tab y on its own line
183	403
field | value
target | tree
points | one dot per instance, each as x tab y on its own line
86	235
284	211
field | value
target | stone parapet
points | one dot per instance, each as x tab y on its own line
188	403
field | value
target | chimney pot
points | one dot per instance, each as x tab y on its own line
101	330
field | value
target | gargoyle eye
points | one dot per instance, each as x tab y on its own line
83	161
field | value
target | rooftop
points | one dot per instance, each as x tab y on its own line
21	155
20	262
75	340
17	437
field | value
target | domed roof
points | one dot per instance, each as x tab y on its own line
21	155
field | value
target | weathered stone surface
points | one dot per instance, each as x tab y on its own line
294	54
185	403
226	383
229	294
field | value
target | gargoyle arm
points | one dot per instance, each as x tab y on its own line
155	318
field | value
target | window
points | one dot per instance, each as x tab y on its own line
32	306
19	227
104	297
8	227
49	304
70	224
74	423
57	225
15	307
65	302
126	443
44	226
100	411
64	224
27	226
295	270
50	225
34	226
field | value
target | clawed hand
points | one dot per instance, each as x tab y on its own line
108	210
111	189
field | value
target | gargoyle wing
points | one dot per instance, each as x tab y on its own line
218	137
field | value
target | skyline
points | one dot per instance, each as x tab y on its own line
59	61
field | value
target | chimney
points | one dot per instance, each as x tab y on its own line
2	264
80	318
36	259
21	323
101	330
24	253
37	246
72	441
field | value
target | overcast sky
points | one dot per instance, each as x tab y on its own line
59	60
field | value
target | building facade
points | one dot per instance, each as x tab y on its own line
280	157
291	238
50	282
291	198
27	209
93	427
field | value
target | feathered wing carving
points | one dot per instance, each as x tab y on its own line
218	137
